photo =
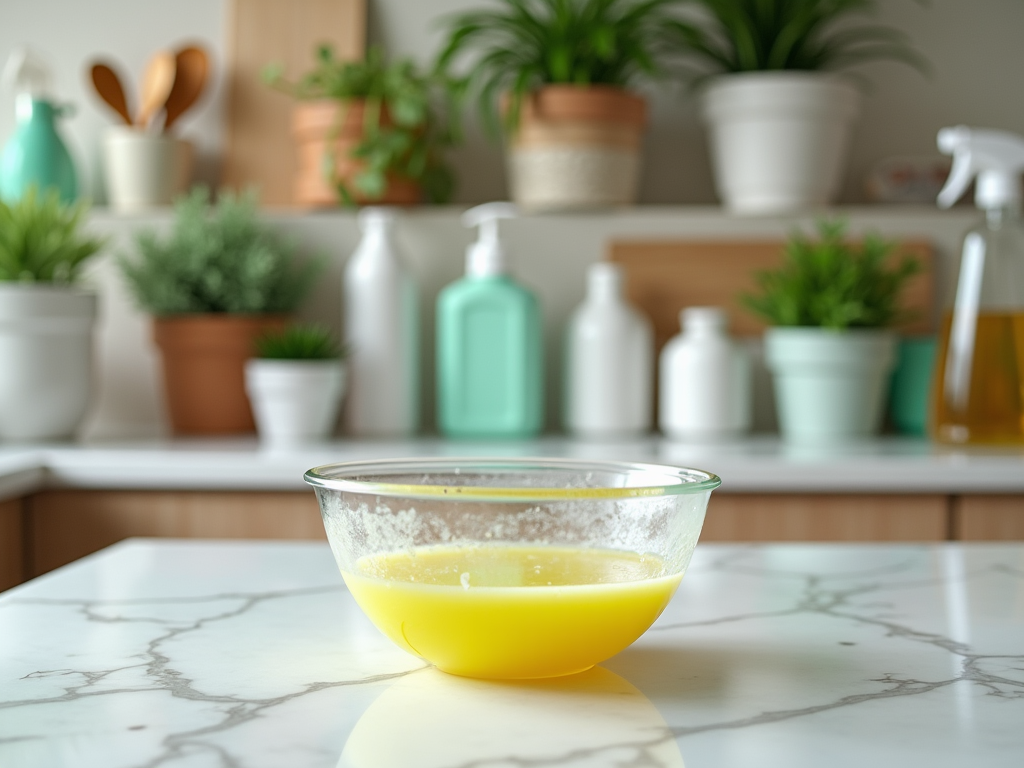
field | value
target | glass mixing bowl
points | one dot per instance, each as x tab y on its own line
512	568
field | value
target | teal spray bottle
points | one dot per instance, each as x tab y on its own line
35	155
489	342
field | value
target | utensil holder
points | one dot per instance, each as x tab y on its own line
145	170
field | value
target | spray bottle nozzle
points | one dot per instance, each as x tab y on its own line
995	157
27	72
486	257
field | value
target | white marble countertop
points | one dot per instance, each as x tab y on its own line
196	655
753	465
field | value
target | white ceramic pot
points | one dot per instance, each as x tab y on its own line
294	401
829	385
144	170
45	360
779	139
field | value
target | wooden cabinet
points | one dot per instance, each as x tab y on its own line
988	518
55	527
819	517
66	525
12	544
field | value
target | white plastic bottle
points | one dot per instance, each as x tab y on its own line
705	387
609	361
382	333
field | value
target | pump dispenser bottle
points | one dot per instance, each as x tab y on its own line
489	345
609	367
382	333
978	397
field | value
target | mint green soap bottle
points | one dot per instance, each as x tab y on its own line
489	343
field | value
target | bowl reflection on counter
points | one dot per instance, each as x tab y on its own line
428	719
512	568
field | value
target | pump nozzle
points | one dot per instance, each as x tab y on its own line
996	157
486	257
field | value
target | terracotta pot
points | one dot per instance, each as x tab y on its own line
204	369
577	147
313	125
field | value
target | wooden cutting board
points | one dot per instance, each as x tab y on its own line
663	277
260	151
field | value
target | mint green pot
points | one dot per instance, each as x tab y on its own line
35	154
830	386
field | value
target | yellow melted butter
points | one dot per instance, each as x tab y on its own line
512	611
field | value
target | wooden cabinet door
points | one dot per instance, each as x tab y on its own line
988	518
826	517
67	525
12	544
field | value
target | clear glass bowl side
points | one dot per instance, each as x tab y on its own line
361	525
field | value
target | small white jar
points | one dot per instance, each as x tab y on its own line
705	380
294	401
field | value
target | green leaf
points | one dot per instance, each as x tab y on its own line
300	341
408	114
216	259
832	283
40	239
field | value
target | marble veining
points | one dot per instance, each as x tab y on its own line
253	654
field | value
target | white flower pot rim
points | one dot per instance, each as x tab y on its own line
749	94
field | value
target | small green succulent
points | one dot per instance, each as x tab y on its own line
833	283
301	341
40	239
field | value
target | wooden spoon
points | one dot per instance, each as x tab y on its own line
157	83
193	65
108	86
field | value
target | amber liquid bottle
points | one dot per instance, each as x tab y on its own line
978	392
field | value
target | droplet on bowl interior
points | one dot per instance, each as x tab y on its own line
464	580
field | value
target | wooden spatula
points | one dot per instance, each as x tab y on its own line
193	66
157	83
108	86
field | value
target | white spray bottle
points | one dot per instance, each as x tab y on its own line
979	380
382	333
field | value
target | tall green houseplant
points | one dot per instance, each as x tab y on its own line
559	69
779	114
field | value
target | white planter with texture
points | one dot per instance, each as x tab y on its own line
779	139
294	401
45	360
829	385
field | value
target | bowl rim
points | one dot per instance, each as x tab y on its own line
689	479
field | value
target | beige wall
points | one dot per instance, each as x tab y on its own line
974	45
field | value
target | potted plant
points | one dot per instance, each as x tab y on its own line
216	283
46	319
560	71
829	349
779	116
368	132
295	384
